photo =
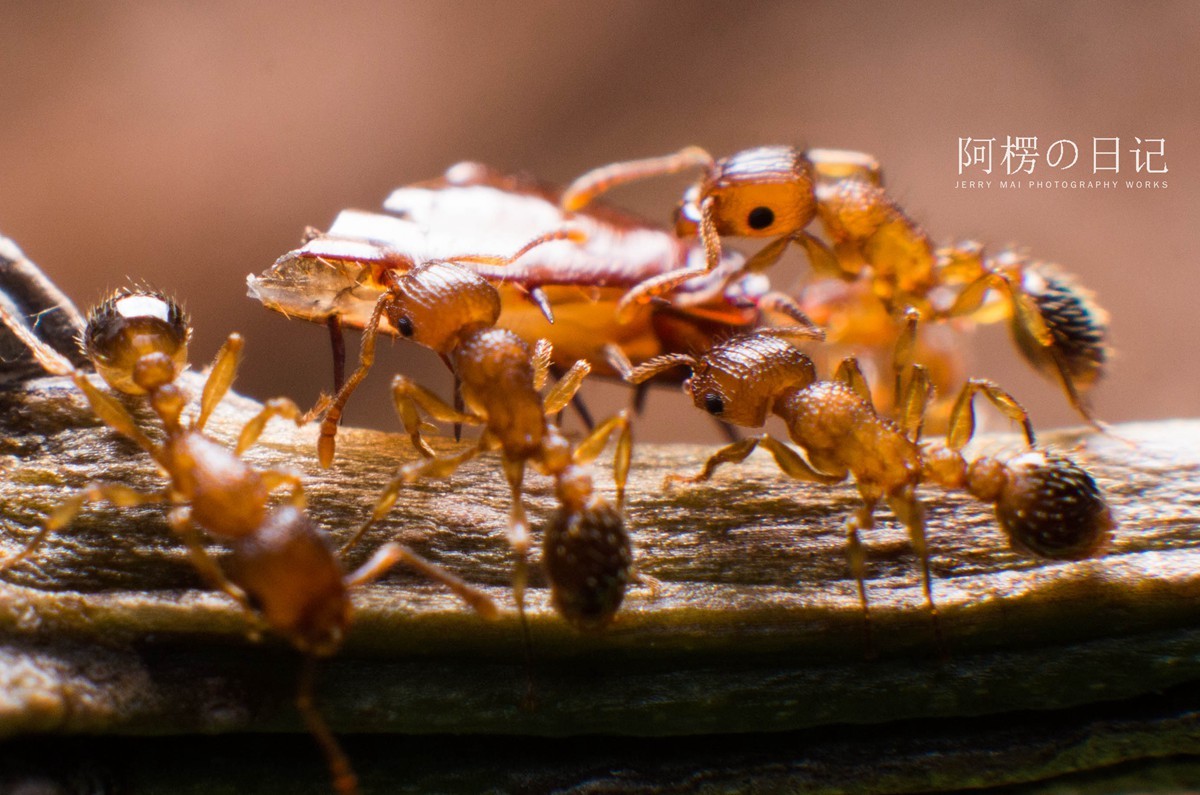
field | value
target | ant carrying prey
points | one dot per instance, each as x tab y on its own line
886	260
281	569
453	311
1048	505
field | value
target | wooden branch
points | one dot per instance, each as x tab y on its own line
737	668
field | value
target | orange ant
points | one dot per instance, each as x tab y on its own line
453	311
1046	504
281	568
777	191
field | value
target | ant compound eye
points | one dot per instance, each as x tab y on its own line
713	403
404	325
761	218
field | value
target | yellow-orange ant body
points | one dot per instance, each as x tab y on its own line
280	568
453	311
778	191
1046	504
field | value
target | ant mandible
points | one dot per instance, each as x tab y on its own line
453	311
1048	505
281	568
777	191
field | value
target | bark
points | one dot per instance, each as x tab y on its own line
746	667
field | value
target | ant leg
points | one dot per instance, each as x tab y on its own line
220	377
180	520
793	464
911	413
337	346
392	553
902	355
909	510
768	255
345	782
587	450
541	360
962	416
115	416
326	442
410	473
585	189
729	454
863	518
518	530
407	395
821	258
788	460
501	260
562	392
65	513
51	360
850	373
649	289
274	478
778	303
518	539
275	407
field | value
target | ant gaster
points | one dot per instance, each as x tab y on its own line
281	568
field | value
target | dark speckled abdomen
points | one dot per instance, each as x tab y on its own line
588	559
1079	327
1052	508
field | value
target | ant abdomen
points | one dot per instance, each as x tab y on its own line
588	559
1051	507
292	577
1078	326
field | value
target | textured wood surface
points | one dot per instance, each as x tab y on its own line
746	668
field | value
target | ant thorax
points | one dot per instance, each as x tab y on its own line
495	371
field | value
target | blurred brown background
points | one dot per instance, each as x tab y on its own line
190	144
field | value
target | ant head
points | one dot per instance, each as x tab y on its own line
764	192
739	380
137	340
434	303
1051	507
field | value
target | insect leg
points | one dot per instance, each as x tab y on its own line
410	473
326	442
180	519
962	416
909	510
65	513
585	189
850	373
587	450
562	392
220	377
407	395
345	782
863	518
275	407
392	553
729	454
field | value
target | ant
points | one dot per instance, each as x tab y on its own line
1048	505
453	311
281	569
777	191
